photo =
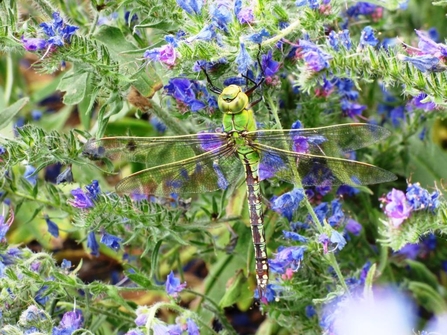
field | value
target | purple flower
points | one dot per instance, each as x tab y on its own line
423	63
269	166
53	229
257	38
81	200
287	257
160	329
245	16
353	227
142	316
397	209
351	109
113	242
34	44
430	47
209	141
192	327
418	103
367	38
269	66
294	236
410	250
173	286
191	6
288	203
316	59
243	60
69	323
165	54
92	244
30	174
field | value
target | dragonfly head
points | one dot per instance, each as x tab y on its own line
232	100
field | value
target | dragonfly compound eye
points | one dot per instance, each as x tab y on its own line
232	100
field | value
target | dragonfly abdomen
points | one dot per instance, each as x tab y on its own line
257	225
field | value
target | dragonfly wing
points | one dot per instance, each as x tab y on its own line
209	171
331	140
153	151
315	170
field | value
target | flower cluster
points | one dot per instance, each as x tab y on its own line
399	205
58	33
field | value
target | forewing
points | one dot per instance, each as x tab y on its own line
206	172
315	170
331	140
153	151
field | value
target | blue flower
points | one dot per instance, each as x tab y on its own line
353	227
341	38
345	87
269	166
173	286
287	257
419	198
81	200
70	322
191	6
209	141
53	229
221	180
157	124
184	90
113	242
221	14
243	60
310	311
245	16
271	292
135	332
30	174
346	190
288	203
258	37
207	33
338	240
93	190
367	38
424	63
66	265
269	66
2	150
294	236
92	244
361	8
316	59
58	31
142	316
337	213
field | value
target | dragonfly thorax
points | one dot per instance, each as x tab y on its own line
232	100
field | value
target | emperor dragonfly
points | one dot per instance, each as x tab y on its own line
206	162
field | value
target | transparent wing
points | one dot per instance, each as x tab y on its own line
154	151
317	170
331	140
206	172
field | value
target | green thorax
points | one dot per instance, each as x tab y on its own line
238	116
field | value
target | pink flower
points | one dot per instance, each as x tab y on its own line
397	209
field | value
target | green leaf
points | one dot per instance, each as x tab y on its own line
74	84
421	273
141	280
147	82
428	297
234	290
8	113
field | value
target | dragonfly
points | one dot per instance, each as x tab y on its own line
210	161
